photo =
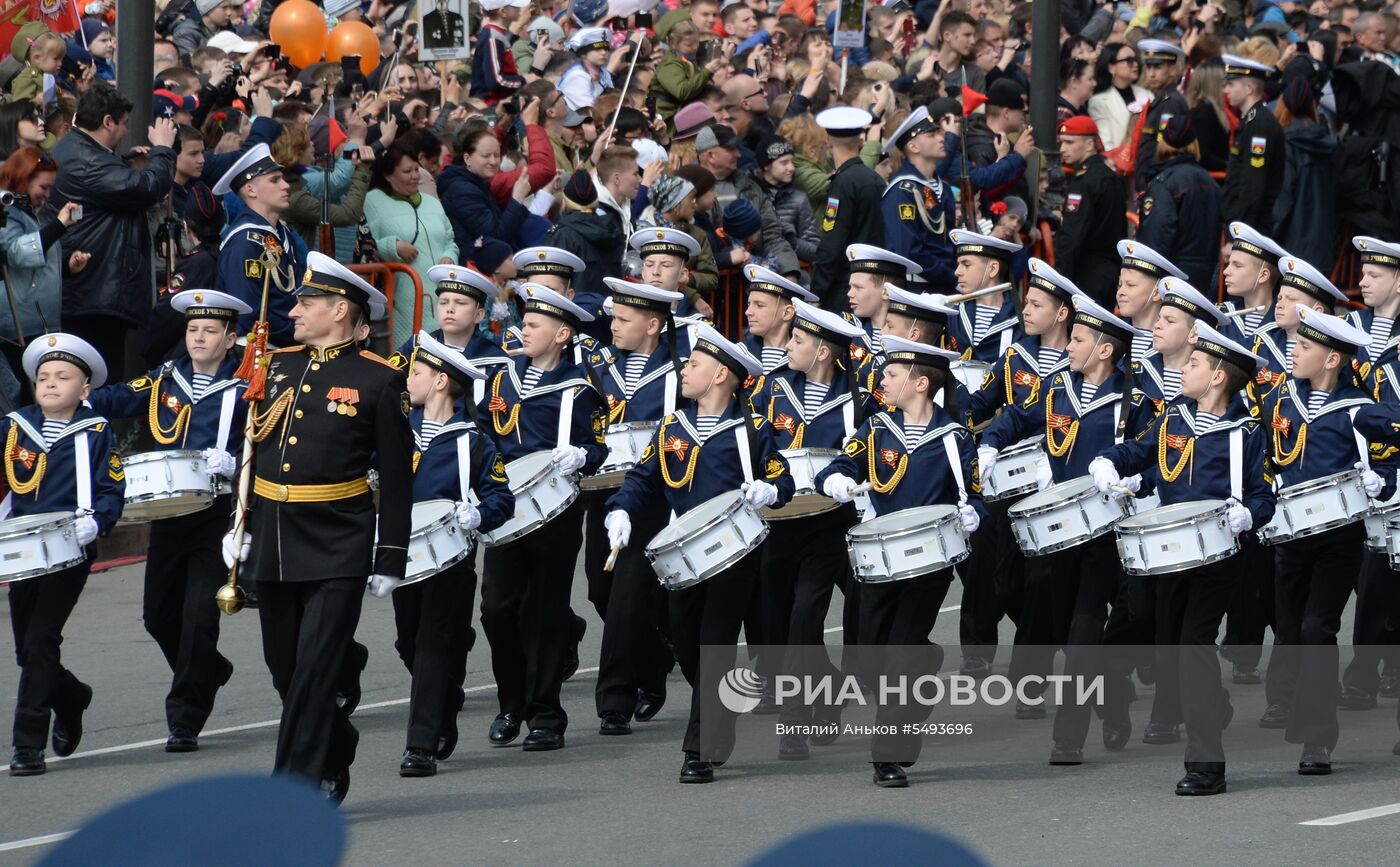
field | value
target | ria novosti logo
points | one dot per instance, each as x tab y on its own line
740	690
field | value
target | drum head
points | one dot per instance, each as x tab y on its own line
695	518
11	527
522	471
169	454
1053	495
904	519
431	511
1174	514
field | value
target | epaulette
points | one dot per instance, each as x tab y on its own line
374	356
286	349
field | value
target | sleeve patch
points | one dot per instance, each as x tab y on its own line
114	467
498	470
600	426
405	404
252	268
775	468
854	448
140	383
906	212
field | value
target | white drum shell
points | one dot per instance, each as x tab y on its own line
1378	523
906	544
166	484
1316	506
705	541
1013	474
1062	516
37	545
541	494
1176	537
626	441
437	541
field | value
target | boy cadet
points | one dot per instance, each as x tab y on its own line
1205	447
987	325
60	456
195	403
769	315
1158	373
1139	298
1301	283
452	457
464	295
1251	278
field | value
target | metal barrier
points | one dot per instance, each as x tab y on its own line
729	300
381	275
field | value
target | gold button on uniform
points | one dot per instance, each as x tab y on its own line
306	388
298	413
286	468
292	440
315	367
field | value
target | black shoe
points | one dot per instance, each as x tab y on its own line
417	763
1030	711
68	725
693	770
1351	698
27	762
1242	675
181	741
1316	761
1147	674
1117	734
336	787
1390	685
447	739
792	748
1275	717
1063	754
649	704
1161	733
889	775
543	740
1201	783
975	666
612	724
505	728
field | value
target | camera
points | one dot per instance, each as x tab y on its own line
8	198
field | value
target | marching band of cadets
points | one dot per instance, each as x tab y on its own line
1172	396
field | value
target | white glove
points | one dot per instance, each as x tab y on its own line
240	554
1044	476
839	488
970	519
986	459
569	459
468	515
760	493
1238	516
619	526
1370	480
220	463
86	527
1132	483
1105	474
382	585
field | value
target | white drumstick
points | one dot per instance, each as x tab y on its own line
968	296
1246	311
1123	489
612	559
861	488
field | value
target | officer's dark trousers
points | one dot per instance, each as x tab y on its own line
1376	629
525	613
898	616
1252	606
991	577
426	618
184	569
39	607
1087	580
709	614
307	627
1313	578
1033	651
635	653
1190	606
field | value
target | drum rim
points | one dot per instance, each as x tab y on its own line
1035	443
736	503
436	502
1083	481
620	426
1061	546
523	532
1172	525
1320	483
948	515
157	455
547	466
713	570
605	481
53	520
768	513
909	573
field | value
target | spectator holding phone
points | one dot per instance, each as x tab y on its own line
681	76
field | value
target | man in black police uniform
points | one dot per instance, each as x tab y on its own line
1094	215
312	518
852	211
1255	170
443	28
1163	62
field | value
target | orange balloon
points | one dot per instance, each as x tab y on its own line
354	37
299	26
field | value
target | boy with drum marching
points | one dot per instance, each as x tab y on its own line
1206	446
1302	284
1142	269
542	402
463	296
1158	373
193	404
60	457
917	454
1309	419
987	325
872	269
452	457
643	384
715	447
1083	412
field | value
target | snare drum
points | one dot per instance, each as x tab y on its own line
37	545
705	541
1142	505
1176	537
1064	515
906	544
804	464
437	541
541	494
1377	523
626	441
1316	506
970	373
166	485
1013	475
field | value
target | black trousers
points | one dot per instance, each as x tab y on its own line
39	607
525	613
1252	606
1190	607
636	653
428	634
1091	606
899	615
1376	628
992	580
307	628
710	614
802	562
1033	648
1313	578
184	569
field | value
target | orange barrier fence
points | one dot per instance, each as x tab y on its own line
729	300
381	275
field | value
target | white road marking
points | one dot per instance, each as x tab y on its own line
37	841
1355	816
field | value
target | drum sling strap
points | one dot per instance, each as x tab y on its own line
1363	448
950	451
464	464
230	400
1237	465
82	471
566	417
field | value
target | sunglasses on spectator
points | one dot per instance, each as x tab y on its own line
1128	59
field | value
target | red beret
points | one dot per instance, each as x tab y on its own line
1079	125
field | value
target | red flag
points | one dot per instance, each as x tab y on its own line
971	100
60	16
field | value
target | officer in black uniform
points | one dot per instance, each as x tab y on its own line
1094	215
1255	170
852	211
1163	61
310	542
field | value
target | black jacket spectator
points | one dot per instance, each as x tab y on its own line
1179	215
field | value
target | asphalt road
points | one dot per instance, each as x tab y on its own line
610	800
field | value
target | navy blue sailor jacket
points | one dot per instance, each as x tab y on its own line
655	395
79	469
480	351
1306	446
562	409
175	419
1015	380
459	458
